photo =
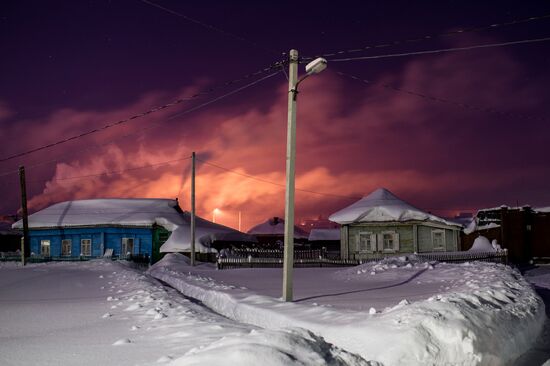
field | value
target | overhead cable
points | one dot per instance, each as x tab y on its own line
432	36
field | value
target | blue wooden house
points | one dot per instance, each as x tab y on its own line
90	228
121	227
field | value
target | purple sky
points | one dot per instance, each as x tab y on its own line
71	66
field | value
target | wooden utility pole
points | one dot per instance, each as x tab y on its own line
193	209
288	261
25	247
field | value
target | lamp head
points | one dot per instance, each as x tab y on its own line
316	66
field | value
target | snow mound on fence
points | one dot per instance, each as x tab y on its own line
481	244
492	319
291	347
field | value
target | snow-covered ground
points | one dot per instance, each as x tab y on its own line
539	277
395	312
104	313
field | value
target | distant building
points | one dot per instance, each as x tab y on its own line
381	223
524	231
318	223
271	233
325	238
10	239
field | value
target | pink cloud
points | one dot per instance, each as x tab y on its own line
352	138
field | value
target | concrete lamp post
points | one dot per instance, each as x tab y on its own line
314	67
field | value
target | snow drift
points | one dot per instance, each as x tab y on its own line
490	320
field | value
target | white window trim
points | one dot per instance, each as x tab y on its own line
395	238
82	254
63	241
442	248
48	244
372	238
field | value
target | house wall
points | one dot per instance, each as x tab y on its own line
405	237
102	238
413	237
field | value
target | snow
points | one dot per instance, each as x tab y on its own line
53	314
276	226
482	244
542	209
272	348
324	234
383	206
473	227
139	212
409	312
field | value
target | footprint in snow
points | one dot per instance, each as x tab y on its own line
163	359
122	342
106	315
160	316
100	276
134	327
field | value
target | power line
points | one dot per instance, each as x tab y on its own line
110	172
433	36
150	111
208	26
310	191
442	50
441	100
275	183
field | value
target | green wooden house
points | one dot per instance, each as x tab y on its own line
383	224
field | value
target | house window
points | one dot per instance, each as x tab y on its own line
366	242
438	239
66	247
127	247
86	247
45	248
390	241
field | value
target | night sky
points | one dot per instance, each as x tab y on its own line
476	136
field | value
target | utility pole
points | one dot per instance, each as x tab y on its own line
288	262
193	159
25	247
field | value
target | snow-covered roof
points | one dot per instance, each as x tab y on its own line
324	234
383	206
107	211
543	209
276	226
206	232
142	212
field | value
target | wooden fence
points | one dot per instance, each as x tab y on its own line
316	258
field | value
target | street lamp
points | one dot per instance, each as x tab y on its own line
314	67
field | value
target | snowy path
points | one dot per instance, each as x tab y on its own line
103	313
540	353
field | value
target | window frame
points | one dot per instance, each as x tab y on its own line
394	240
443	241
43	244
123	244
371	246
63	242
82	254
